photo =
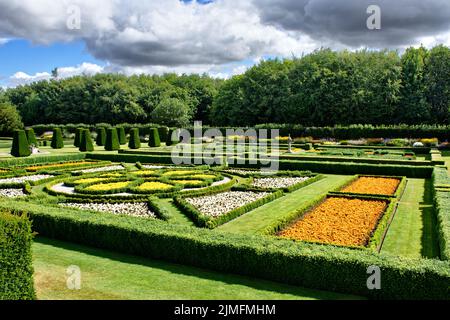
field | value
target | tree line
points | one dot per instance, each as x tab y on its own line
324	88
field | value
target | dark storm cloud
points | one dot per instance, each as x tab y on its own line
344	21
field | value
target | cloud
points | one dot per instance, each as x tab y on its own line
135	36
403	22
153	33
22	78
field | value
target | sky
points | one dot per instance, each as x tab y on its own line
219	37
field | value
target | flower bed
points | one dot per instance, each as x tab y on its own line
101	169
56	166
277	182
137	209
89	180
154	186
109	187
12	193
218	204
340	221
373	185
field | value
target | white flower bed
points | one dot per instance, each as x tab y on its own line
11	193
23	179
221	203
101	169
242	172
277	182
137	209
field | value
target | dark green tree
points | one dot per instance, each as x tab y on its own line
122	135
101	137
153	140
77	140
86	144
20	147
10	119
57	139
31	137
135	141
112	140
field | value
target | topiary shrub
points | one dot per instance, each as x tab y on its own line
163	133
170	139
16	267
135	141
154	140
31	137
122	135
101	137
77	140
20	147
57	139
112	140
86	144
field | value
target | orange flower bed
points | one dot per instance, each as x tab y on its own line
340	221
373	185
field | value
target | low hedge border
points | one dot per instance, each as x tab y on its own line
358	160
16	266
159	212
302	264
297	186
441	201
152	159
31	183
204	221
175	187
67	166
349	168
41	159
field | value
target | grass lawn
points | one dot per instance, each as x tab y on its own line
412	232
259	218
108	275
177	216
446	156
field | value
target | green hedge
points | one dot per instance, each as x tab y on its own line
308	265
153	139
41	159
347	168
86	144
145	158
31	137
122	135
77	139
101	137
357	160
112	140
204	221
57	139
16	267
442	209
135	140
20	147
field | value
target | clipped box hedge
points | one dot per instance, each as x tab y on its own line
16	268
345	168
442	208
309	265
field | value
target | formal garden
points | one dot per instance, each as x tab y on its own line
333	209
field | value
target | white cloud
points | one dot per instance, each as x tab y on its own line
4	41
21	78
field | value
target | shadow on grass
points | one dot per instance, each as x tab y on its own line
429	240
230	279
